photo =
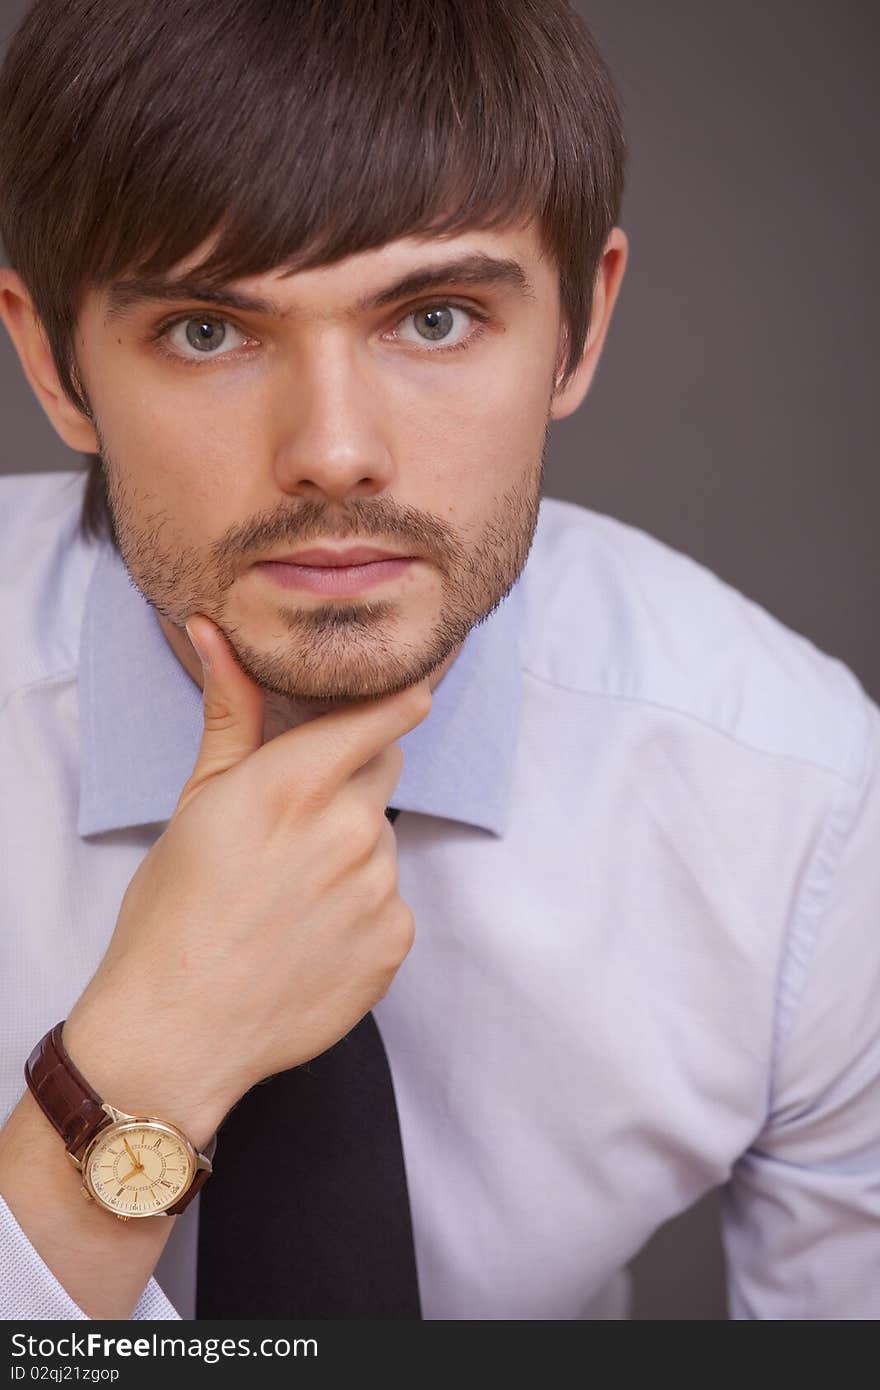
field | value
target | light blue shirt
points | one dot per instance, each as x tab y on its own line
639	836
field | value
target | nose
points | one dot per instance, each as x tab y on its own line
334	438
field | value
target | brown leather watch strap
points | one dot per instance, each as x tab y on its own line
201	1177
75	1108
63	1093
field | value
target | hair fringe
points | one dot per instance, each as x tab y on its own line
289	134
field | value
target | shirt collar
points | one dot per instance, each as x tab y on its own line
141	717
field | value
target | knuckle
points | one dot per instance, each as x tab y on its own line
423	698
393	958
218	716
363	829
402	932
382	880
382	985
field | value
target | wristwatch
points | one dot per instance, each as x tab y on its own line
133	1165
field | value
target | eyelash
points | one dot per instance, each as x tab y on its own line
158	335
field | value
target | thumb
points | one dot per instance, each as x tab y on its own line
233	709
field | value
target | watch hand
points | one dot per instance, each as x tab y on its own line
128	1146
132	1173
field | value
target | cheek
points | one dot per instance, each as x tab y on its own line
175	441
484	421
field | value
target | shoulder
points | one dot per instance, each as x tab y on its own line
614	612
44	570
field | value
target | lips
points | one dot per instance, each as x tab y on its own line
336	559
336	579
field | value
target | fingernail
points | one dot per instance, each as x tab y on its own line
206	664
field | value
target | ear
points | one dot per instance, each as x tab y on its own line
608	280
26	331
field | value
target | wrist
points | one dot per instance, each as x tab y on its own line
139	1079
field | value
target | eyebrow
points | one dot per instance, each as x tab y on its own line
123	296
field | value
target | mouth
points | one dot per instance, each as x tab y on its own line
335	578
325	555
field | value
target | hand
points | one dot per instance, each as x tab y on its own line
265	921
132	1173
135	1161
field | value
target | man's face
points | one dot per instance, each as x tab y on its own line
417	425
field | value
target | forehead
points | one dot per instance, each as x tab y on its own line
511	260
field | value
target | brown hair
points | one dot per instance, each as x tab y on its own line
296	132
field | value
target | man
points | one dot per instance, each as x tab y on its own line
622	945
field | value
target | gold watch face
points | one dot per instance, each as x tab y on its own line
138	1168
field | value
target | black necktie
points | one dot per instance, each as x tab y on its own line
307	1212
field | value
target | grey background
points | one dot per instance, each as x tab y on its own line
731	414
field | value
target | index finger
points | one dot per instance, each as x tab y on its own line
323	754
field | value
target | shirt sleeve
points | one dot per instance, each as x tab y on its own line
29	1289
801	1211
